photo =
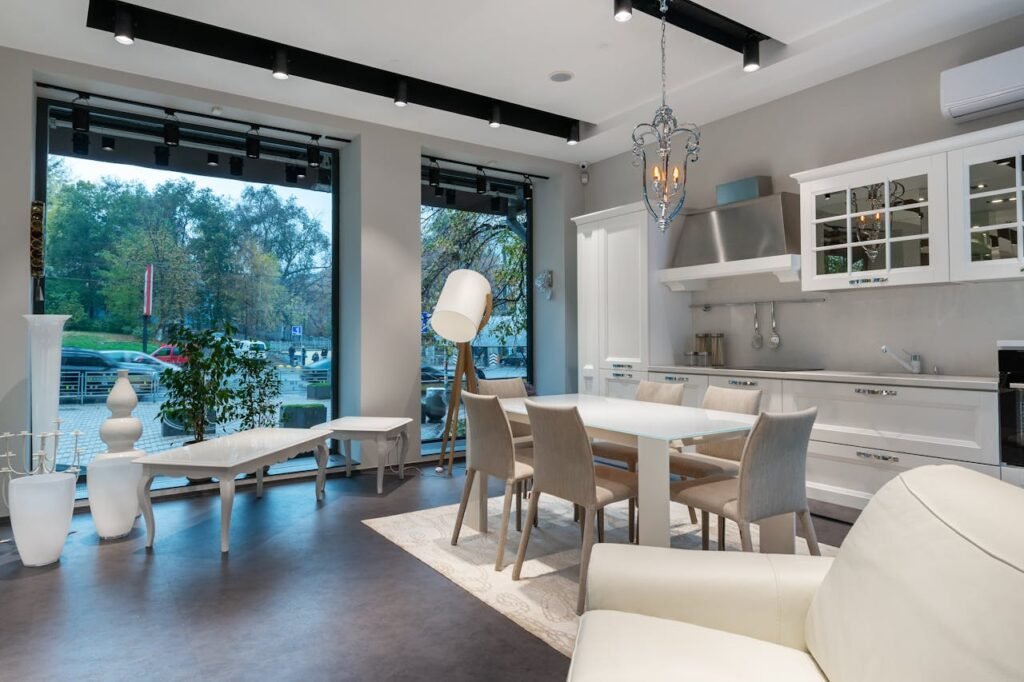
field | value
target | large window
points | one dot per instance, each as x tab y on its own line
488	232
226	238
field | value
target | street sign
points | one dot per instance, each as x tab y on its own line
296	330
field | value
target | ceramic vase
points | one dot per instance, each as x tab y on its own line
41	508
121	430
113	483
44	343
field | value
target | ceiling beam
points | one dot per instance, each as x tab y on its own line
214	41
703	22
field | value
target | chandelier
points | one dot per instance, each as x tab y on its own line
871	228
664	189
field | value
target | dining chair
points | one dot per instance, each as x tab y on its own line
563	466
772	480
717	457
490	451
513	387
649	392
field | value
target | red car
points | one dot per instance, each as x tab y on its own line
167	353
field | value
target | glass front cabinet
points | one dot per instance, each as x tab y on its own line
986	222
876	227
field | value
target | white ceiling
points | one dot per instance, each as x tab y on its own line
507	50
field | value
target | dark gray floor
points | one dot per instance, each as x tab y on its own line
307	592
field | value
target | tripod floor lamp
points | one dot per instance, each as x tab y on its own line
462	310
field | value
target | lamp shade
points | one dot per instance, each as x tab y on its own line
461	306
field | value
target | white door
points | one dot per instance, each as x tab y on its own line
622	292
588	256
986	218
620	384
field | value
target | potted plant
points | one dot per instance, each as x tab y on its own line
259	387
303	415
321	390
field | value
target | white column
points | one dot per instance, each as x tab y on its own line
652	469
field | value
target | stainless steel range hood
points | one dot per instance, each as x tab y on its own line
760	235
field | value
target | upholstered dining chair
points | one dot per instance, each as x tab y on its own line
649	392
490	451
563	466
772	480
513	387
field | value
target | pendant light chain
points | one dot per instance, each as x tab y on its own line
664	16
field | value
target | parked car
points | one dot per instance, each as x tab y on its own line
246	347
169	354
514	360
135	358
317	371
89	374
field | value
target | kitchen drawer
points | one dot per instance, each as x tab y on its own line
935	422
620	384
771	389
696	385
849	476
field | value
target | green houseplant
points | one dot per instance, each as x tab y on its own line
259	388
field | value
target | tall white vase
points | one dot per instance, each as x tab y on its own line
41	509
114	476
121	429
44	343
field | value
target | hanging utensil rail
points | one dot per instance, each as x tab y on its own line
708	306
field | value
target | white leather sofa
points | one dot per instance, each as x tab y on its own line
928	586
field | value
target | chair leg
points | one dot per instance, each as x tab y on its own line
705	520
519	505
576	513
506	511
524	539
536	517
600	525
632	520
748	545
721	533
470	475
812	538
693	516
588	544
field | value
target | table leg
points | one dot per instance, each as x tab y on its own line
402	454
227	499
146	506
259	482
778	534
652	470
381	446
320	453
348	457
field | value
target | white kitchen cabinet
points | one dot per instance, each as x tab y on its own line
771	389
880	226
986	221
695	385
587	273
616	383
956	425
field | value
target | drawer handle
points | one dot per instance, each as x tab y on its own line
738	382
868	280
622	375
619	365
875	391
680	380
881	458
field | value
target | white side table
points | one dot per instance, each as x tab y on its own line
383	431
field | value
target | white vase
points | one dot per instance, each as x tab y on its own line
121	430
41	508
44	343
113	482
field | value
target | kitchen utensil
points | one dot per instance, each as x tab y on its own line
758	340
774	341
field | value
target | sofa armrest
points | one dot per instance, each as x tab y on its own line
765	596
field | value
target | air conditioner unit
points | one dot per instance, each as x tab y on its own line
983	88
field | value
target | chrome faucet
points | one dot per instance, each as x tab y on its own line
910	361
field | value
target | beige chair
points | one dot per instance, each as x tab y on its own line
490	451
717	457
564	467
927	587
772	480
508	388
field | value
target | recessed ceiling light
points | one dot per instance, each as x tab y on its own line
561	76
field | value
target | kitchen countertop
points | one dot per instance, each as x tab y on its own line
846	377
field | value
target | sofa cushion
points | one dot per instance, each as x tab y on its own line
619	647
928	585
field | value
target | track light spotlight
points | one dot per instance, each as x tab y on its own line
434	174
574	134
495	116
212	160
439	191
313	153
172	132
300	172
107	144
481	181
162	155
280	70
401	93
80	143
449	197
252	142
235	165
527	189
751	55
623	10
79	116
124	30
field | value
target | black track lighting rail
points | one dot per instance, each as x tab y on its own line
187	34
700	21
487	169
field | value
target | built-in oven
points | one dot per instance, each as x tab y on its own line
1011	403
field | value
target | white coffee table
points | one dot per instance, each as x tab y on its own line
383	431
225	458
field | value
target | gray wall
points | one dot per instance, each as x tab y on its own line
380	237
886	107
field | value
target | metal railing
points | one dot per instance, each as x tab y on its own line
82	386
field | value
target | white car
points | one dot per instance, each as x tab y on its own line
252	349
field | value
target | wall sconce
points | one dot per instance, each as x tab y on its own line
545	282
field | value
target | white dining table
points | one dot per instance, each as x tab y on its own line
651	428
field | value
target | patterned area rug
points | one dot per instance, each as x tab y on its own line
544	600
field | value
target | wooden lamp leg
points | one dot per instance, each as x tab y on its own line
446	432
